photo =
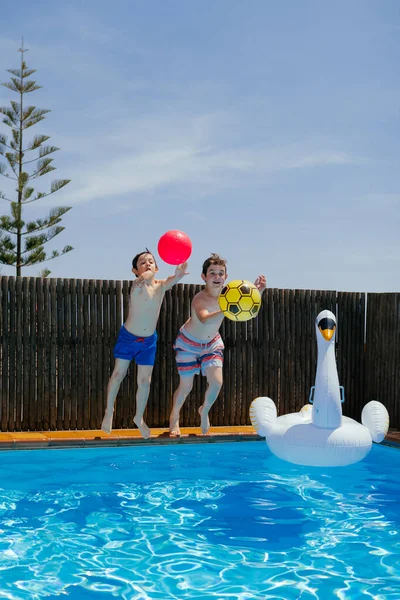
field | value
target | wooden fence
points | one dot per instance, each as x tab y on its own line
57	338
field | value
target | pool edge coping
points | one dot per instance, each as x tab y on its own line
32	440
127	437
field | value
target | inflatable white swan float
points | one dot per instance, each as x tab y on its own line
319	435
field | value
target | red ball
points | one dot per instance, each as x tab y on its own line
174	247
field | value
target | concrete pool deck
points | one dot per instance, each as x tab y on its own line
29	440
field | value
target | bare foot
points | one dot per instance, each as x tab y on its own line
174	430
106	425
205	422
141	425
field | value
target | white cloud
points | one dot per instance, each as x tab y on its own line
152	153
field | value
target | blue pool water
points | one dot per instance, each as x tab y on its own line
221	521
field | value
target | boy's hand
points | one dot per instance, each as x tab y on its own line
141	280
261	283
180	270
147	275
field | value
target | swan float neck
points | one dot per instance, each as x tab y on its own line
327	411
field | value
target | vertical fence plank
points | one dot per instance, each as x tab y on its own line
80	356
87	355
93	354
248	365
361	350
5	332
60	354
255	345
270	355
12	359
238	414
19	332
236	398
262	352
73	345
30	403
67	342
24	400
283	392
40	353
309	341
277	350
53	357
301	370
98	319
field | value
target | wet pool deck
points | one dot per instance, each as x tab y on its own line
30	440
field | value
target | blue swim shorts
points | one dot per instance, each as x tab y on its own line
142	349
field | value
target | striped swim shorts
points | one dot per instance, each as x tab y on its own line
193	356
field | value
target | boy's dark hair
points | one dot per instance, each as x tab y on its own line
214	259
135	260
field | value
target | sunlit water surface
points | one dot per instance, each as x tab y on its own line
217	521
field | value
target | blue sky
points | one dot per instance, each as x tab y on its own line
267	131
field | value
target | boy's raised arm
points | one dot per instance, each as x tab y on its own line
180	272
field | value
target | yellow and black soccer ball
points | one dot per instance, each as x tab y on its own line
240	300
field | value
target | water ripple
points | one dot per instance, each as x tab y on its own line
239	525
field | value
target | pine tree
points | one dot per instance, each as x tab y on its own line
21	242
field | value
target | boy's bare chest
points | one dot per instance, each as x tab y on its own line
146	295
210	304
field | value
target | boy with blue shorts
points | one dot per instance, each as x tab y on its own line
199	347
137	339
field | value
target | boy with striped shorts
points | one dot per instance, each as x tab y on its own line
199	347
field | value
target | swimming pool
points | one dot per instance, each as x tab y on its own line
221	521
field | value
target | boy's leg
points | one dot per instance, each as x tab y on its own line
181	393
214	384
118	374
144	373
